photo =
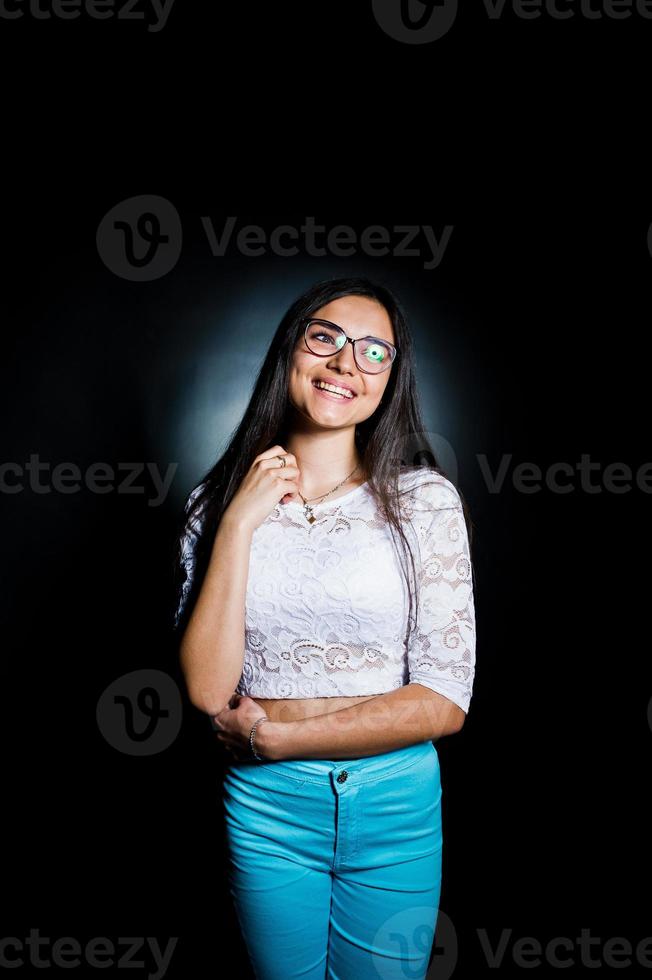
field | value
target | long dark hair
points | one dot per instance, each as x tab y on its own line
381	439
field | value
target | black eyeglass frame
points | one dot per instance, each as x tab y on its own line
329	323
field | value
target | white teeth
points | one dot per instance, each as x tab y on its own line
333	389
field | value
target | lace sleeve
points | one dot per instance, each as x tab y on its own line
442	651
187	557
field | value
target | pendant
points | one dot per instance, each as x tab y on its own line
309	514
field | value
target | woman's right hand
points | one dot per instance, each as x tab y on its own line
263	487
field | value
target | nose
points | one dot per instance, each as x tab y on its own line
343	359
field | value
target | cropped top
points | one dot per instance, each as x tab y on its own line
327	606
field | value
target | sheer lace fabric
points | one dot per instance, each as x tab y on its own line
327	606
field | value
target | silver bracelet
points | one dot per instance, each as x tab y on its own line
252	735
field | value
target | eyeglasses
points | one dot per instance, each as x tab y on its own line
371	354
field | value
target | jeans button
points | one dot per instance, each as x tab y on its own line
342	776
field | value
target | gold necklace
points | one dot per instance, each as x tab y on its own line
306	506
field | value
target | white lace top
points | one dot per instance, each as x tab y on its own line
326	604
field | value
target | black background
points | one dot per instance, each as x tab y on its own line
531	341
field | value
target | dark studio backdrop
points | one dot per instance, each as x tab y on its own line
528	337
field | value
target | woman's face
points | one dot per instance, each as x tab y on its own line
358	316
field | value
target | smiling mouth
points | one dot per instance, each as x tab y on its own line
343	394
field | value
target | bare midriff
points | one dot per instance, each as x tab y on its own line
297	709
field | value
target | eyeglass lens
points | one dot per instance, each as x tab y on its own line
371	355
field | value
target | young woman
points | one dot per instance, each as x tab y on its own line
327	625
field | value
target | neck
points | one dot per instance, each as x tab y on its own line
325	458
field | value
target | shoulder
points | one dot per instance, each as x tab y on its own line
426	489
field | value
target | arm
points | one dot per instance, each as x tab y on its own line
212	648
407	715
441	656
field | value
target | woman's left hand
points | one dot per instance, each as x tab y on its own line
234	724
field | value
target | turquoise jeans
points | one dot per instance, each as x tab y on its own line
335	864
